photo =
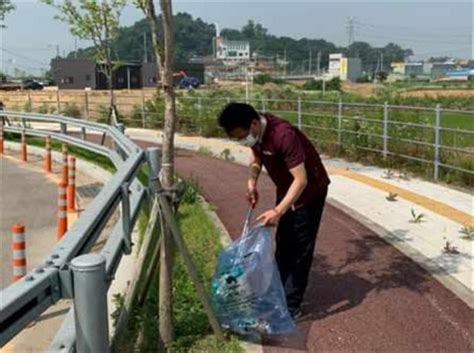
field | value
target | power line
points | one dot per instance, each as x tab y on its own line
23	57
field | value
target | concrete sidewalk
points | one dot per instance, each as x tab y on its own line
362	191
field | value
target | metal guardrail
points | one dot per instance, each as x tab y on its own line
25	300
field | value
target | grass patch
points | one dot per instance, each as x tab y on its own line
192	330
81	153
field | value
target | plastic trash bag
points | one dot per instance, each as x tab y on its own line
247	294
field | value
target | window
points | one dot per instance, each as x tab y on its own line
120	80
68	80
88	77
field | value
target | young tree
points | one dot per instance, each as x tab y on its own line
98	21
164	57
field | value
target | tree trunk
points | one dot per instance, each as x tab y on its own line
164	62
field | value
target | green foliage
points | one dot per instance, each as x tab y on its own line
264	78
193	37
333	84
192	329
71	110
206	151
28	107
416	217
467	232
5	7
191	192
227	155
93	20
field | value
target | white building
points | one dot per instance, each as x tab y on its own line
344	68
230	50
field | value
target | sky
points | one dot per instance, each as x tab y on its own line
440	28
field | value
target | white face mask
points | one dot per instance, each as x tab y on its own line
249	141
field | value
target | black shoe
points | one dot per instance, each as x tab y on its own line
295	314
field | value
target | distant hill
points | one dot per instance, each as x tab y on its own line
194	38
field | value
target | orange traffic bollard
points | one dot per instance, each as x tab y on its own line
65	172
1	139
24	152
19	252
47	161
71	188
62	211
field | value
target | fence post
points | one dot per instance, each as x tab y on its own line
385	130
24	146
339	123
86	105
90	303
437	142
154	162
299	114
58	102
143	109
30	102
200	109
126	221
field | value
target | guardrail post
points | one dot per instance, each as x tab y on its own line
299	114
437	142
126	221
90	304
63	128
339	123
154	163
143	109
24	151
86	105
48	160
83	133
385	130
2	142
58	102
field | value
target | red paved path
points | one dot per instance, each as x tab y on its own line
363	295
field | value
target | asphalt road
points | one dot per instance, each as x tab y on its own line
30	198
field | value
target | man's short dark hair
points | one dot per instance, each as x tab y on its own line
237	115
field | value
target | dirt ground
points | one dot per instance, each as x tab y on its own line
436	93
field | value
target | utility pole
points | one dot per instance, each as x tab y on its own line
145	56
381	62
285	63
319	63
310	59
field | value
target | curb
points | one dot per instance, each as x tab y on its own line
440	274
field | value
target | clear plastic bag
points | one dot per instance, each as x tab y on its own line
247	293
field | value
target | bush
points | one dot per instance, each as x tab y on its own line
364	79
71	110
264	78
333	84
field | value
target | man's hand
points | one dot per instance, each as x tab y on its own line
252	193
269	218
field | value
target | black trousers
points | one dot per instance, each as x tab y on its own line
295	241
